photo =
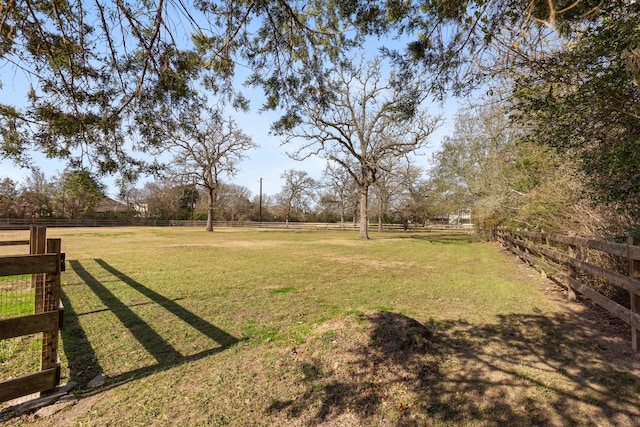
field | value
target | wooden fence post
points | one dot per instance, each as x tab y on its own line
51	302
544	241
634	272
571	294
38	246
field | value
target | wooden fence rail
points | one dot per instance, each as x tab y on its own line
44	263
562	259
10	223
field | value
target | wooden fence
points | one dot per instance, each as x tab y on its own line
563	259
44	264
347	226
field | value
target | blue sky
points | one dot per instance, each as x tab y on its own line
268	161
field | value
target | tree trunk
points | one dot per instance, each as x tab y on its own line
364	216
380	210
355	214
211	194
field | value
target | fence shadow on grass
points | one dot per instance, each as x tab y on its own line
204	327
81	356
526	369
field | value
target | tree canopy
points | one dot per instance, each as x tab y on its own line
98	75
584	100
96	78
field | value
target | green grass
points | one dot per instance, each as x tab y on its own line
263	327
20	355
16	302
16	307
19	277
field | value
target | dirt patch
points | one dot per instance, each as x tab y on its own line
353	369
384	368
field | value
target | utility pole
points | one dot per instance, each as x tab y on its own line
260	201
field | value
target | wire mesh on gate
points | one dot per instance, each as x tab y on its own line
19	355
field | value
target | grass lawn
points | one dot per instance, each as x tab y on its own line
260	327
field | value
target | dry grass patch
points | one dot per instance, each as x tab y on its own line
362	261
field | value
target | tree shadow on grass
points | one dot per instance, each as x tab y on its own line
434	237
525	369
82	360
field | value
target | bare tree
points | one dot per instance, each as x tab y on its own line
158	200
341	190
35	199
365	120
388	188
297	192
233	202
206	150
415	190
